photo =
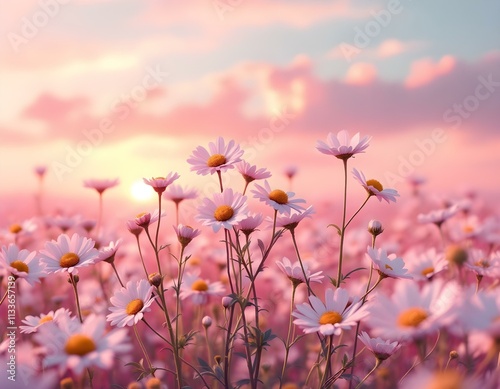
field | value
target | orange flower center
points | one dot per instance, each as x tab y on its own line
45	319
159	178
79	344
387	267
223	213
69	259
330	317
20	266
412	317
134	307
15	228
139	215
427	271
482	263
376	184
199	286
216	160
447	379
279	196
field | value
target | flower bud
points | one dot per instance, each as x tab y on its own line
155	279
67	383
456	255
227	301
453	354
375	227
206	321
153	383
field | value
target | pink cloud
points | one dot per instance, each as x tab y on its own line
361	73
425	70
390	48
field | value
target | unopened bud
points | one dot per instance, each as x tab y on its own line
227	301
206	321
218	359
154	279
375	227
453	354
153	383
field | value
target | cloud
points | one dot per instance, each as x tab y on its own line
361	73
426	70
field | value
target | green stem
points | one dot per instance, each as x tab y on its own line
306	278
117	275
144	351
289	336
342	234
142	258
377	364
328	360
359	209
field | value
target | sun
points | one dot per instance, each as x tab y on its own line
140	191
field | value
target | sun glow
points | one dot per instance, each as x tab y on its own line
140	191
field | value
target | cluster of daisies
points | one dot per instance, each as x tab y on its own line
143	310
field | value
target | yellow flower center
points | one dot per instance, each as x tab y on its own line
330	317
134	306
20	266
153	383
223	213
279	196
15	228
45	319
468	229
159	178
447	379
427	271
79	344
376	184
216	160
412	317
481	263
139	215
290	385
199	286
69	259
388	267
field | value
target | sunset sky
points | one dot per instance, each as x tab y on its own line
122	88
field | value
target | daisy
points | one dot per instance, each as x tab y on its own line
438	216
375	188
218	158
280	200
130	303
64	223
382	349
251	173
290	171
133	227
388	265
76	346
159	184
411	313
199	289
22	264
27	227
291	221
177	193
101	185
68	254
483	265
225	210
108	252
341	146
34	322
426	265
185	234
333	316
145	219
250	223
442	379
295	273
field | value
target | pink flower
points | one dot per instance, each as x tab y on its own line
250	223
281	201
438	216
375	188
101	185
333	316
159	184
219	157
74	346
291	221
185	234
68	254
388	266
199	289
108	252
251	173
226	210
295	273
22	264
177	193
343	147
426	265
145	219
34	322
382	349
130	303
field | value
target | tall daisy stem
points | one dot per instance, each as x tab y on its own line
326	373
377	364
289	336
144	351
342	231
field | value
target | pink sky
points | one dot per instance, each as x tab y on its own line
104	89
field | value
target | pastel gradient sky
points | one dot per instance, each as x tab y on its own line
122	88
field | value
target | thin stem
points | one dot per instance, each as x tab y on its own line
99	217
142	258
220	181
328	360
289	335
306	278
359	209
158	227
342	234
73	282
144	351
117	275
377	364
156	332
4	296
157	256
